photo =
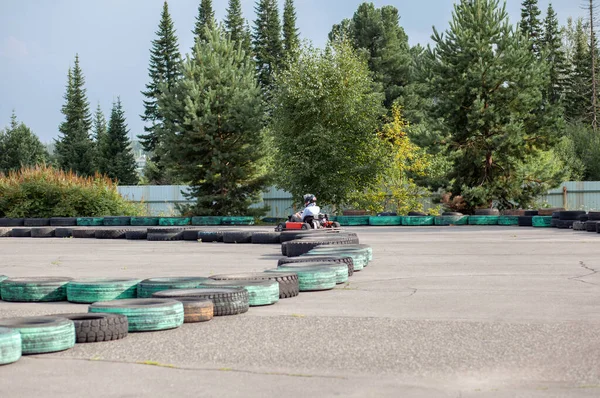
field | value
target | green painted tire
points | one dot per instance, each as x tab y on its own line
41	334
34	289
385	220
341	270
90	221
259	292
541	221
148	287
359	260
144	314
311	278
508	220
101	289
348	221
237	221
144	221
10	345
357	248
118	221
417	220
451	220
206	220
174	221
483	220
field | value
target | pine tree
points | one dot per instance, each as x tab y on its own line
489	98
116	158
266	40
164	71
205	18
291	39
216	112
531	26
579	93
19	147
235	25
98	133
554	55
75	149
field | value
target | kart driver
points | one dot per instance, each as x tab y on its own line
310	209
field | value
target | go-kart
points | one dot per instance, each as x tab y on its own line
309	222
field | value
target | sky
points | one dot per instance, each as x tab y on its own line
39	40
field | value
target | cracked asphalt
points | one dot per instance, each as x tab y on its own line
440	311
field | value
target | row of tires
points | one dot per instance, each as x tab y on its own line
165	303
123	221
536	221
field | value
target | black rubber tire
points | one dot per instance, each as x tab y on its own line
298	247
42	334
96	327
451	213
64	232
266	237
320	259
591	226
584	218
84	233
486	212
12	222
416	213
111	233
237	236
387	214
139	234
36	222
556	214
34	289
42	232
21	232
63	221
570	215
288	282
210	236
579	226
164	230
118	221
525	221
191	235
165	236
565	224
594	216
531	213
227	301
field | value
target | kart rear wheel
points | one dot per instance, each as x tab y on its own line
305	226
280	227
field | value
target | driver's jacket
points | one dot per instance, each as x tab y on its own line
311	210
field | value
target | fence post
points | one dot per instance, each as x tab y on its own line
565	202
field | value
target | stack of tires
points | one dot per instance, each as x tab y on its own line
567	218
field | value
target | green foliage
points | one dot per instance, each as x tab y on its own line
586	143
579	91
266	40
555	57
324	125
216	113
531	26
164	69
75	149
98	134
205	19
291	40
377	35
235	25
115	157
489	90
46	192
19	147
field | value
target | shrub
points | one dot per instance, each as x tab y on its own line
43	191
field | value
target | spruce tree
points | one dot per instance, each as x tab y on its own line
20	147
266	40
235	25
531	26
216	112
489	99
291	39
74	148
555	57
98	132
164	70
579	93
205	18
376	32
116	158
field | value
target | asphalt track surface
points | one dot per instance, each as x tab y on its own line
439	312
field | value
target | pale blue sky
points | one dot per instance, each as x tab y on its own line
39	39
